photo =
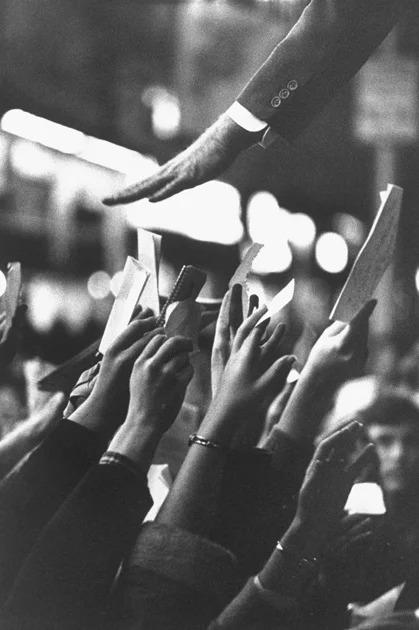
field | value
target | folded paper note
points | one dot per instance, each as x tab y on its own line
242	272
149	249
373	259
280	301
134	279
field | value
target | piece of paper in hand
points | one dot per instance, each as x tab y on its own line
133	282
280	301
13	289
365	498
149	250
373	259
184	318
242	272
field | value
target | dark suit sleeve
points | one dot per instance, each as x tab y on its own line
66	580
327	46
35	489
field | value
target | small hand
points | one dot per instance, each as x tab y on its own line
327	482
205	159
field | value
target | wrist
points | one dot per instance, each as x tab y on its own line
136	441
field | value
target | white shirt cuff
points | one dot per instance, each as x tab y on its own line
244	118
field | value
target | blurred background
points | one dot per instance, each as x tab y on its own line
93	94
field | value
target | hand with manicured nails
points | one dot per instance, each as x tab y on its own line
339	354
253	374
341	351
159	380
158	384
105	409
207	158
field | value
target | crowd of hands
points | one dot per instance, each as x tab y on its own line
139	390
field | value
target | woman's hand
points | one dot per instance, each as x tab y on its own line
327	483
106	407
339	354
254	373
158	384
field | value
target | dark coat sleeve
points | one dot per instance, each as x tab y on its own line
327	46
35	489
258	499
67	578
174	580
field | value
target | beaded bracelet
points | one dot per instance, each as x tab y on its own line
194	438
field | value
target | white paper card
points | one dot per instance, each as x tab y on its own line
373	259
149	249
365	498
133	282
14	284
280	301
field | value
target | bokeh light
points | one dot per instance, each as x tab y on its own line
99	285
332	252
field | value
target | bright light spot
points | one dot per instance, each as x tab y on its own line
165	116
417	280
3	283
301	231
116	282
273	258
31	160
351	228
43	131
266	221
99	285
331	252
44	301
210	212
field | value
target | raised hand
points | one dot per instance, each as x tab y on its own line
339	354
341	351
252	376
205	159
105	408
158	384
328	480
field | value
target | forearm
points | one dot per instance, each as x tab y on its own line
69	573
32	493
20	441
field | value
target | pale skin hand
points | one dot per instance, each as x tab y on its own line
207	158
322	497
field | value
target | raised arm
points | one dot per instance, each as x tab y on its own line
326	47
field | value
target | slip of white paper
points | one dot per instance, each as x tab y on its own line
134	279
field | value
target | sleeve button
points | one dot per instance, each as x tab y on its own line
292	85
276	101
284	93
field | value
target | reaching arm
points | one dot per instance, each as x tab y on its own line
327	46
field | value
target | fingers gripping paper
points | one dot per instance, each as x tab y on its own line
373	259
241	273
133	282
149	250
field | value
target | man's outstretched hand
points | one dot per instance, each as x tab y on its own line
205	159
